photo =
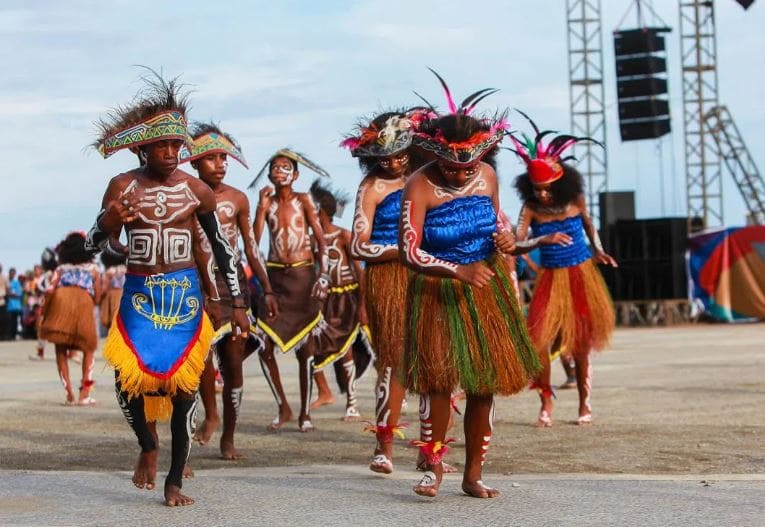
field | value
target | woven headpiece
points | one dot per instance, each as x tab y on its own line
470	150
393	136
297	157
158	113
543	162
209	139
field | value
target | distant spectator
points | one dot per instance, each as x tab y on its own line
3	311
13	304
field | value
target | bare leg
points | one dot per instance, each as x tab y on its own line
145	473
440	408
207	394
324	397
305	365
545	392
390	393
349	371
584	385
63	372
478	429
233	382
569	367
184	406
426	433
88	360
271	373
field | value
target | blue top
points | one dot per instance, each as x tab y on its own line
14	303
459	231
76	276
385	224
555	256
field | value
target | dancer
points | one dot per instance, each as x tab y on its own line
209	156
570	309
344	310
113	283
68	317
383	148
464	327
161	335
291	272
44	287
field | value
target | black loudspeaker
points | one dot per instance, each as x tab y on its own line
745	3
651	257
641	90
615	206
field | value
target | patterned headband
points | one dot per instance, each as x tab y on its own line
212	143
166	125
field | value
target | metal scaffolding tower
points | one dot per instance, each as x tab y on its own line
698	49
738	161
586	95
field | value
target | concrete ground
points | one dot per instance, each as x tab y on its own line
678	439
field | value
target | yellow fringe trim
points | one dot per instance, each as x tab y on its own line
342	351
287	346
280	265
136	382
344	288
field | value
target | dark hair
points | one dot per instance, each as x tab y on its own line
324	198
71	250
457	127
48	259
112	259
564	190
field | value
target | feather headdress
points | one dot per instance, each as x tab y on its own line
479	134
207	138
385	134
329	199
157	113
543	161
297	157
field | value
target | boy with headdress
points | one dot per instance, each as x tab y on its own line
161	335
209	154
291	217
343	342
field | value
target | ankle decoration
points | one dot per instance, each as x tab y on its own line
545	390
385	433
433	452
453	404
87	384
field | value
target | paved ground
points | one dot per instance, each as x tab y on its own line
673	407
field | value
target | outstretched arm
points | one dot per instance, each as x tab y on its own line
363	218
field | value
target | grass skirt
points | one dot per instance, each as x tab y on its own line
69	320
572	304
458	335
386	306
109	306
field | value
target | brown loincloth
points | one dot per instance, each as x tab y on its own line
341	310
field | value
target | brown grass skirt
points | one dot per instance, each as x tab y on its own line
69	320
109	306
460	335
573	304
386	304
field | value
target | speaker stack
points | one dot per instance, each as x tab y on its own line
641	83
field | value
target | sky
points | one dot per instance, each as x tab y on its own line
300	74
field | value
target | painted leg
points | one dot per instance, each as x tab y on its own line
349	372
545	393
207	394
479	424
145	473
271	373
305	374
63	372
434	450
389	393
88	361
584	385
233	382
324	395
181	423
569	367
426	433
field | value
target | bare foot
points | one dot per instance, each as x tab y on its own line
208	428
229	452
352	415
585	419
422	465
322	400
478	490
428	485
174	498
381	464
145	472
188	473
545	414
283	417
306	426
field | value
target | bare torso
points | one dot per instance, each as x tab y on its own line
289	229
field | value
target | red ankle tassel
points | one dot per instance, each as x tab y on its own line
433	451
87	384
385	433
545	390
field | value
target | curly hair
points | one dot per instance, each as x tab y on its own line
71	250
564	190
458	127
